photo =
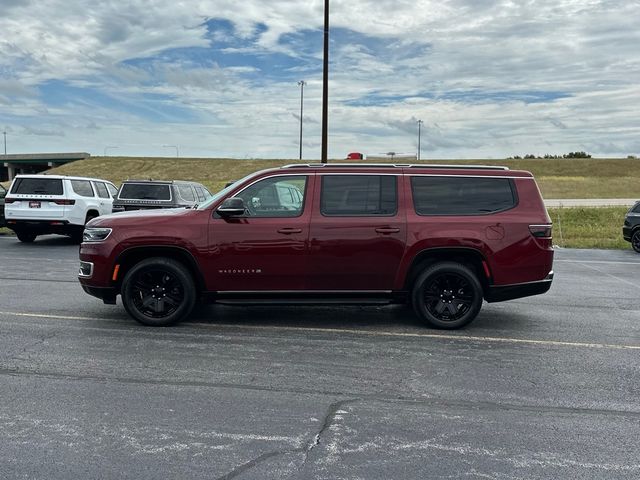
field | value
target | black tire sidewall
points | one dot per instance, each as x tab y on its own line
175	268
26	237
418	298
635	236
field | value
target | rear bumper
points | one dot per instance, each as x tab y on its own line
627	232
509	292
42	227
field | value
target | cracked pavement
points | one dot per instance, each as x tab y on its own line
539	388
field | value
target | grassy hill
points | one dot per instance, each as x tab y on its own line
557	178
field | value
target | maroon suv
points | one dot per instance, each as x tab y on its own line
439	237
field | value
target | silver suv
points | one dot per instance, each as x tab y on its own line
43	204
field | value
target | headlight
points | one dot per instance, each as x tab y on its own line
95	234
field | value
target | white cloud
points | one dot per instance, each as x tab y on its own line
453	64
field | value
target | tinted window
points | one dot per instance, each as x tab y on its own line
82	188
186	193
102	190
461	195
3	191
356	195
200	193
263	200
145	191
39	186
636	209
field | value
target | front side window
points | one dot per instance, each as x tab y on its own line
82	188
267	198
102	190
112	190
359	195
433	195
186	193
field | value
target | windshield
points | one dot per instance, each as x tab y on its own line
225	191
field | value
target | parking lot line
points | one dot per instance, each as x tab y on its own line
370	333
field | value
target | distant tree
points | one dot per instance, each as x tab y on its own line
576	155
630	157
529	156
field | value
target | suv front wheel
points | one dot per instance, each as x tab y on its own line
447	295
158	292
635	240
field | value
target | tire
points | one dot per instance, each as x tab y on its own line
158	292
635	240
447	295
26	237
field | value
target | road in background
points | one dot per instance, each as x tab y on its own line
538	388
590	202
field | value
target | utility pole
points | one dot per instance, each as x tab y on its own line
325	82
420	122
302	83
5	142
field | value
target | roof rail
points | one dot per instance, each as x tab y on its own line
394	165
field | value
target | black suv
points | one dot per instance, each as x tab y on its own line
631	227
148	194
3	193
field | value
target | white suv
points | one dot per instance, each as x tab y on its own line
43	204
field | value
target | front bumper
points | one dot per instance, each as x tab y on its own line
502	293
106	294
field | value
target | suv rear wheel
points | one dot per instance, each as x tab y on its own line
447	295
26	237
158	292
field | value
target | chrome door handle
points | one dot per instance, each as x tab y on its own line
289	231
386	230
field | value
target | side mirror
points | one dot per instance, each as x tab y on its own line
232	207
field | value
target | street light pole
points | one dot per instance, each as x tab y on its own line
5	142
107	148
420	122
325	82
302	83
173	146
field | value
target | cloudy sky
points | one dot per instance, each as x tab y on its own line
218	78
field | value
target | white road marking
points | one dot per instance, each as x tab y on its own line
610	275
370	333
597	261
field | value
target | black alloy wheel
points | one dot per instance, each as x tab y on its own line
447	295
635	240
158	292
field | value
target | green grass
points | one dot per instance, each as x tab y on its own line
6	231
557	178
588	227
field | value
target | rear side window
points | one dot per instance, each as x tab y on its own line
359	195
102	190
37	186
145	191
112	190
200	193
461	195
186	193
82	188
636	209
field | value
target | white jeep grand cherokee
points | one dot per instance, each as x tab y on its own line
43	204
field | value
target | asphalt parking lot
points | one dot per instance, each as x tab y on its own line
539	388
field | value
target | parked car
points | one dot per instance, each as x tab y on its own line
151	194
441	238
631	227
3	193
44	204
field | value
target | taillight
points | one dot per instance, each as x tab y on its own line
542	234
64	202
541	231
9	200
